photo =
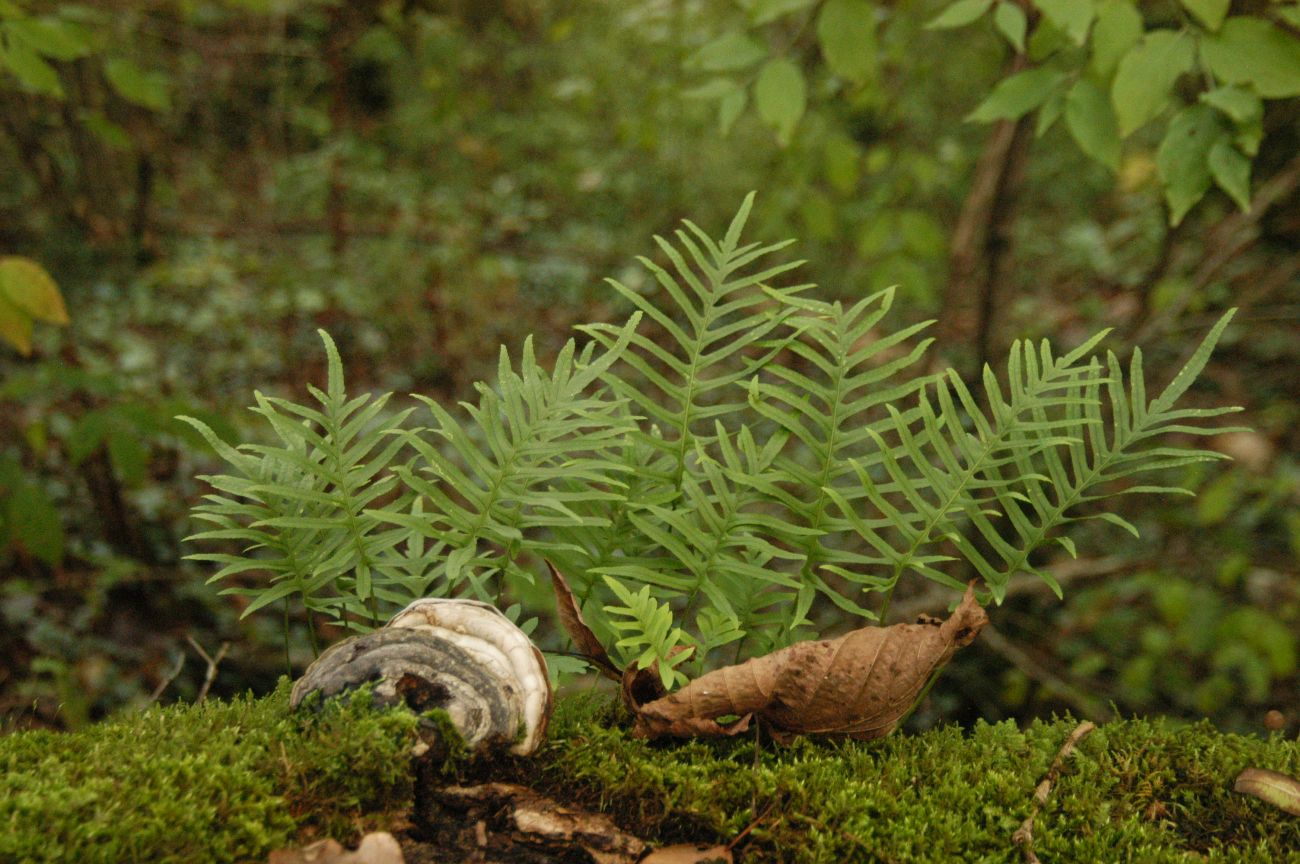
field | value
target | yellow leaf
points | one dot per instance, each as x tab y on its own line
28	287
15	326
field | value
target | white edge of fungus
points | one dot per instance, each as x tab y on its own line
483	621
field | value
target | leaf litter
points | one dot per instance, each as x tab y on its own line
859	685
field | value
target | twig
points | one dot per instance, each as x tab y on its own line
981	243
1065	572
1082	702
1024	836
752	825
212	662
168	678
1232	236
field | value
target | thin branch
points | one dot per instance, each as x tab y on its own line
1082	702
981	240
1065	572
213	663
1024	836
1226	241
168	678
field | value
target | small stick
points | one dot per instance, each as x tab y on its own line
212	662
1024	836
1083	704
751	826
168	678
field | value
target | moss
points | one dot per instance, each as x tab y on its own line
230	781
220	781
1135	790
441	729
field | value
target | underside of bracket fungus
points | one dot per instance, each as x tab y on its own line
461	656
860	685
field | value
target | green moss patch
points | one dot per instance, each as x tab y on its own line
1150	791
231	781
220	781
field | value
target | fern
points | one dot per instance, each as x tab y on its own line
538	448
703	472
828	408
1011	466
1117	457
300	506
648	637
718	540
709	324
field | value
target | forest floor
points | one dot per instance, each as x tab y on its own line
238	780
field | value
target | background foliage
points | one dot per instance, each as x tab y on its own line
208	183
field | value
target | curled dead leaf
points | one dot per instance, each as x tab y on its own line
584	640
1272	787
859	685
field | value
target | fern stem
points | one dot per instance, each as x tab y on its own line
688	403
814	545
920	697
889	595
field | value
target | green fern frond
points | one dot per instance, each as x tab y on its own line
940	476
649	637
717	544
721	305
536	456
582	554
1078	470
299	506
1009	475
827	397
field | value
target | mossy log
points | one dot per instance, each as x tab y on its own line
232	781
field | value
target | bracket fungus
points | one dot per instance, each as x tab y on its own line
461	656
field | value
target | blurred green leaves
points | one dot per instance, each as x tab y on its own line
846	31
1092	123
1132	77
1146	74
727	53
32	45
28	519
29	44
1183	157
147	89
959	14
27	295
1017	95
780	94
1254	52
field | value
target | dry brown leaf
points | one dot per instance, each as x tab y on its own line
859	685
377	848
689	853
584	640
1272	787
